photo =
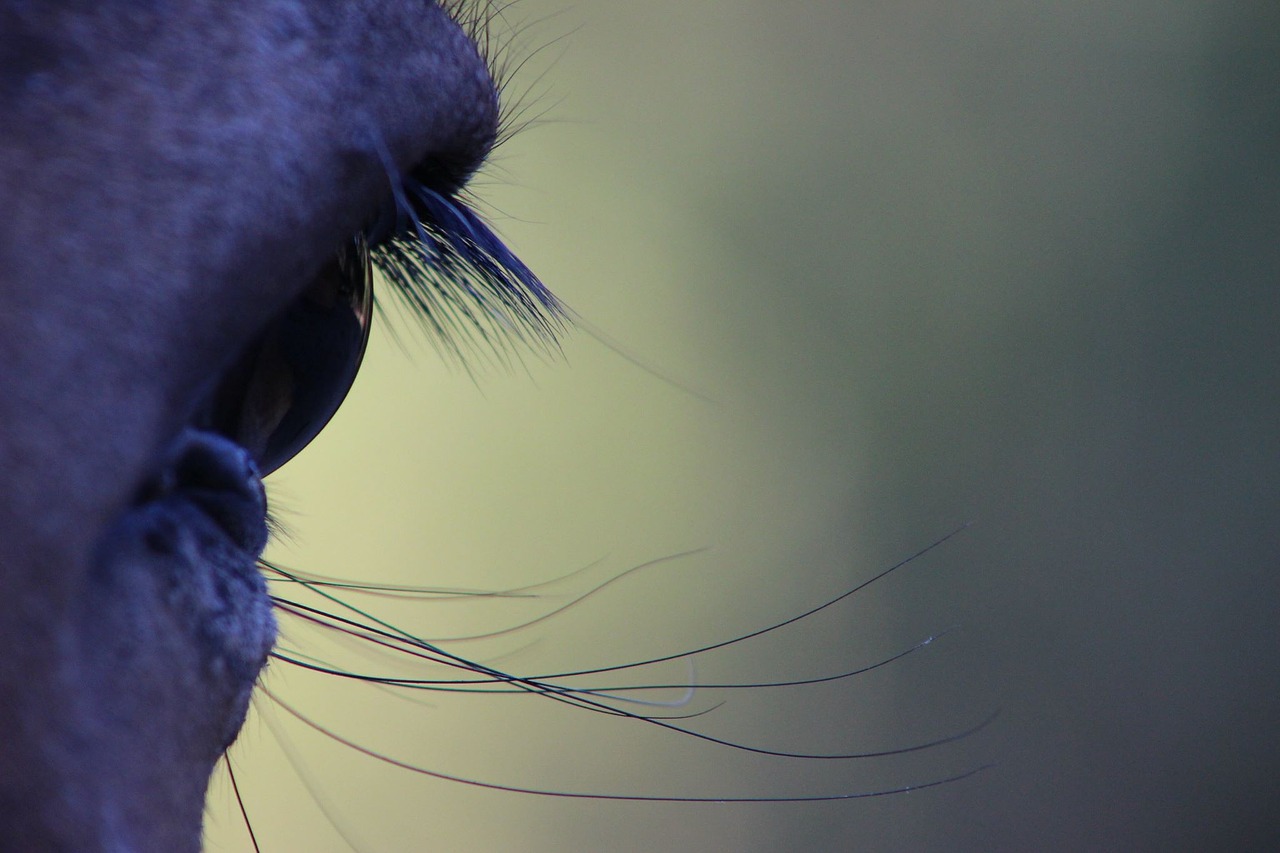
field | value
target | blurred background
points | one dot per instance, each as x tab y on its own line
901	266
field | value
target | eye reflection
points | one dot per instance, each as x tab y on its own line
289	383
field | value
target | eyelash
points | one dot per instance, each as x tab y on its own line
449	269
445	264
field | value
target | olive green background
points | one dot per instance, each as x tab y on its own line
903	266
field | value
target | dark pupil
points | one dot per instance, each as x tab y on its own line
289	383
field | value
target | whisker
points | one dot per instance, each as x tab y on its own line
584	795
244	813
382	633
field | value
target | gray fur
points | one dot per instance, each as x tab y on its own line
171	175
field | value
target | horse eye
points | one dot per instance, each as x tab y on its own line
291	380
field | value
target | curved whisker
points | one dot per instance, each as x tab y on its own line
584	795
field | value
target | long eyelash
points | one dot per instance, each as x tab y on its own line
456	276
446	265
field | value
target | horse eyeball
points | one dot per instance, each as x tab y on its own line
292	379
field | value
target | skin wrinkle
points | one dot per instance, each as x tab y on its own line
173	174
